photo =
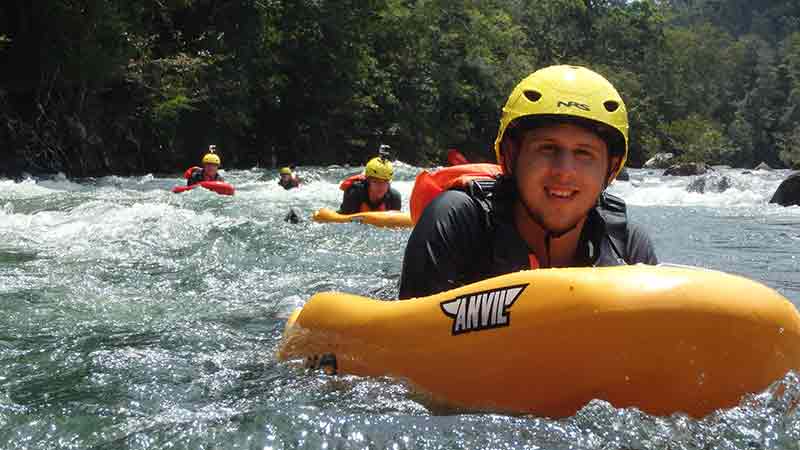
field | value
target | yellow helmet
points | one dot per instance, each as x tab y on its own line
285	171
569	91
211	158
379	168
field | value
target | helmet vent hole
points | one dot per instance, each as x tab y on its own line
533	96
611	105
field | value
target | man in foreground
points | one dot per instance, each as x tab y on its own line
562	140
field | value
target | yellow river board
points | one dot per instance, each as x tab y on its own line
546	342
389	219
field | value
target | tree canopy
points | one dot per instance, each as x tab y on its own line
94	87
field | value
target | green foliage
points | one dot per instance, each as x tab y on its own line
741	132
699	139
113	85
170	109
789	145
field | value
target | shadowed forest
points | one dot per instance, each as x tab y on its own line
97	87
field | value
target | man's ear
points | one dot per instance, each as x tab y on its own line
508	154
613	164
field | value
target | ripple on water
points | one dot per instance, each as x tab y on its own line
136	318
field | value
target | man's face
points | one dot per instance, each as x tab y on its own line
376	188
210	169
285	177
560	171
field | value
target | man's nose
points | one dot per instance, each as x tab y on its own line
564	162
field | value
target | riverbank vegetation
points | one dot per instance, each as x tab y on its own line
92	87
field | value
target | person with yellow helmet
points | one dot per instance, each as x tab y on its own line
288	179
372	190
562	139
208	172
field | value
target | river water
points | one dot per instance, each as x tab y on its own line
134	318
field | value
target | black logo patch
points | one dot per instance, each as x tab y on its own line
573	105
482	310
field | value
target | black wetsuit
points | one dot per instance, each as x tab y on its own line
462	238
290	184
358	195
197	176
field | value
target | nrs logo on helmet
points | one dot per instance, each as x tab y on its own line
574	105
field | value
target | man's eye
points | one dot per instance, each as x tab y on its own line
585	154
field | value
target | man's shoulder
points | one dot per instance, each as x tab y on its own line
637	233
454	205
358	185
640	246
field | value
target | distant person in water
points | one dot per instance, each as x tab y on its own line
372	190
288	179
208	172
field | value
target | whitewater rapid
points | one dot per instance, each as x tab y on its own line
136	318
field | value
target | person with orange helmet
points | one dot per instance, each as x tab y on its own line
562	139
208	172
372	190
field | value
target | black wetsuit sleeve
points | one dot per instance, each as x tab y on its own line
352	199
445	245
395	202
196	177
639	247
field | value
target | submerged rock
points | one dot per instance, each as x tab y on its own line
763	166
711	182
685	169
659	161
788	193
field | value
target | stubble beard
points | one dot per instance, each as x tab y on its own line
553	231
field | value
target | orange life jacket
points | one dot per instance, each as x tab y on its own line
428	185
455	158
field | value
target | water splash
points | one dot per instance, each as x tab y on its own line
136	318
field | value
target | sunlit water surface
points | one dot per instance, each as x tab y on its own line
131	317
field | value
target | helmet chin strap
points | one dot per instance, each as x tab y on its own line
549	233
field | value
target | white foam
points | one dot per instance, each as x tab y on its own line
106	227
122	202
746	190
27	188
